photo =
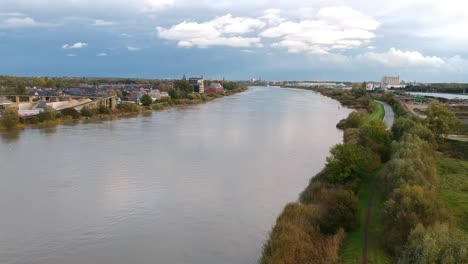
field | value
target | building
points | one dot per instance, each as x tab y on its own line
215	88
391	82
198	84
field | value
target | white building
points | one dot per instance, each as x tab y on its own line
392	82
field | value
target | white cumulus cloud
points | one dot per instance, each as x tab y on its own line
332	28
77	45
20	22
221	31
395	58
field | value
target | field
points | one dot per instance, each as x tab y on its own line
453	188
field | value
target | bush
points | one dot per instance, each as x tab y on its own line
71	112
339	210
354	120
296	239
104	110
48	114
436	244
351	136
407	207
377	138
128	108
88	112
401	126
348	163
10	118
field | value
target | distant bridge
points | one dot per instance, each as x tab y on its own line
96	101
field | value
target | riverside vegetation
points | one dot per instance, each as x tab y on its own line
419	212
182	94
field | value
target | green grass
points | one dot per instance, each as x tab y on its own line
378	114
351	251
453	188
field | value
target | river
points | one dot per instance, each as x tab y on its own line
199	184
442	95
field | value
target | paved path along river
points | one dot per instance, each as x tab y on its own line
201	184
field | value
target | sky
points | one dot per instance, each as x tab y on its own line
339	40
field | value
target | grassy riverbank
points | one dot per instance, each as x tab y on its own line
334	204
402	213
53	118
377	114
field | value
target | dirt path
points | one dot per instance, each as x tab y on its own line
370	203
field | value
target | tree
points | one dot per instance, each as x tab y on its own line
10	118
347	163
50	83
39	81
146	100
441	120
435	244
339	210
407	207
401	126
376	137
181	89
119	94
47	114
358	90
20	88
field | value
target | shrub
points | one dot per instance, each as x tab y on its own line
401	126
347	163
351	136
128	108
48	114
376	137
103	110
354	120
339	210
296	239
436	244
88	112
407	207
10	118
71	112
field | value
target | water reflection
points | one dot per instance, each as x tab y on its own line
10	135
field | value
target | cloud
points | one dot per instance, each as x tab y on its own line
71	55
221	31
133	48
13	21
156	5
77	45
332	28
102	54
103	23
395	58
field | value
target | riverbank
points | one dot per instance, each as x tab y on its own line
103	113
313	229
404	206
